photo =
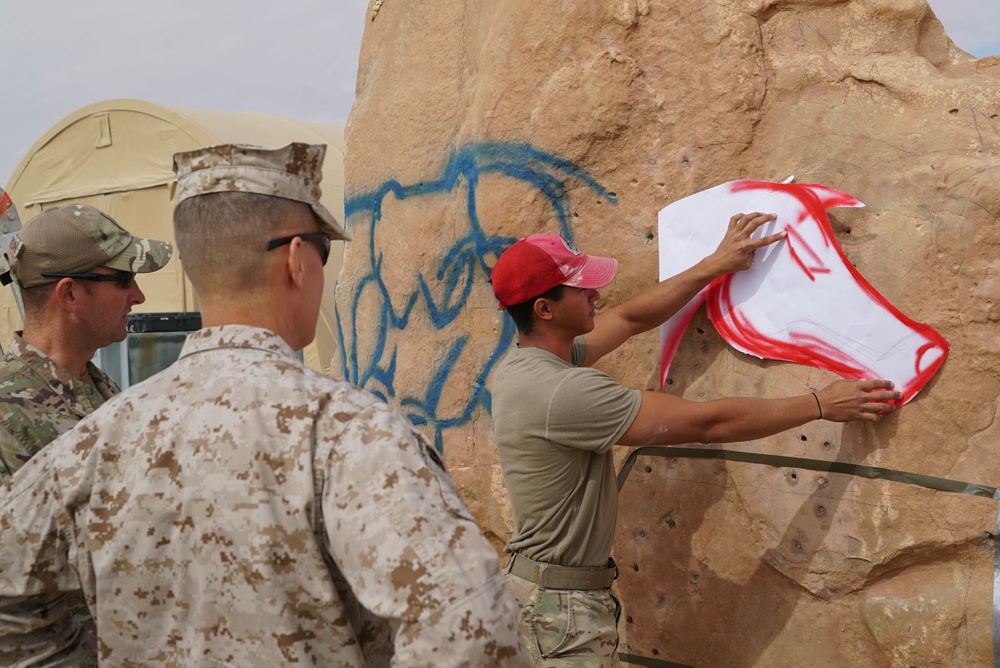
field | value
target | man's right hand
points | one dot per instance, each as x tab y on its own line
847	400
736	250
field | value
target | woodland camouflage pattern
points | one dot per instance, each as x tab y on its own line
241	509
40	400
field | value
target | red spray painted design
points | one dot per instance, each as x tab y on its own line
802	301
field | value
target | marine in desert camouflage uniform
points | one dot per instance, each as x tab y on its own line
47	383
240	508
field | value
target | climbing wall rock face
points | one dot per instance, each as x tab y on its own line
477	123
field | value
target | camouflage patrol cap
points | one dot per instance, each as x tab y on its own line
291	172
76	238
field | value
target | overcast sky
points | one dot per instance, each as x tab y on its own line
294	58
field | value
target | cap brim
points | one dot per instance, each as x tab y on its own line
330	224
142	256
597	272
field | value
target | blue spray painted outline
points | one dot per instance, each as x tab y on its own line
456	272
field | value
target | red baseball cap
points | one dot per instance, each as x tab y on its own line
536	264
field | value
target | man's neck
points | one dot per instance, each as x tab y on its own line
64	351
559	346
271	317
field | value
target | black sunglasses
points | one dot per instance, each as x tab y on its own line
122	278
321	239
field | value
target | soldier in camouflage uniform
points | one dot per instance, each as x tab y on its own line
75	267
240	508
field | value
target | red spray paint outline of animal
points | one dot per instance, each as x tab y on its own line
790	304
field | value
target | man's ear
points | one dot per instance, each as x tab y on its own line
66	294
295	263
542	309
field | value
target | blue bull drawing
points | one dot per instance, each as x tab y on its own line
445	294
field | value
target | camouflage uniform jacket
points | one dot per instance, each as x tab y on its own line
241	509
40	400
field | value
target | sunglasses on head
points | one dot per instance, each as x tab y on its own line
321	239
122	278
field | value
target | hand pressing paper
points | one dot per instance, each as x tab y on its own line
801	300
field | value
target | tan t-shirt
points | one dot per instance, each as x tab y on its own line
555	424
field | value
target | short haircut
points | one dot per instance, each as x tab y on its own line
34	299
222	238
523	314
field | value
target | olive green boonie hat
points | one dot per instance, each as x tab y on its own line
290	172
76	238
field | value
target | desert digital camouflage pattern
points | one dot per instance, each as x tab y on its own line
40	400
241	509
291	172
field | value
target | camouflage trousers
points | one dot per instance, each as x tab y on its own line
81	613
567	628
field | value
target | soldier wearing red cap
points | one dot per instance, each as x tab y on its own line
555	420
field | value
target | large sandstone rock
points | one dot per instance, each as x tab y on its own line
476	123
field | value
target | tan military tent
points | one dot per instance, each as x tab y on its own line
117	156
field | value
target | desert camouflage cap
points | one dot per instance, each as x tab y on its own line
291	172
76	238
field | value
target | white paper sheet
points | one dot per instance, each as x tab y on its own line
801	301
